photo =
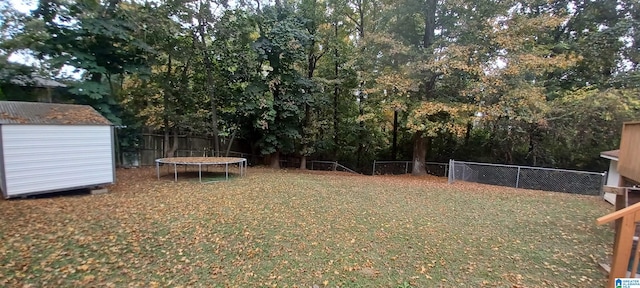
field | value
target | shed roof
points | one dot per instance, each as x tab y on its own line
611	155
14	112
35	80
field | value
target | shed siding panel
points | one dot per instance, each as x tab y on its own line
629	160
40	158
613	176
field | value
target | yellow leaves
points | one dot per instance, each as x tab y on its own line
520	31
436	117
287	229
89	278
525	45
394	84
456	57
367	117
386	44
254	35
526	104
532	62
83	268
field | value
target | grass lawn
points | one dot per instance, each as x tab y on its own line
294	229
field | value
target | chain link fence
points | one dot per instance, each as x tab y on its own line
328	166
537	178
405	167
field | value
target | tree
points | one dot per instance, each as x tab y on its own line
204	18
281	90
584	122
235	70
101	43
349	80
313	12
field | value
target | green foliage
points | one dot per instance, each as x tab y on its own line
587	121
550	82
279	90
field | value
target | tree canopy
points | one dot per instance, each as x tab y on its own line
521	82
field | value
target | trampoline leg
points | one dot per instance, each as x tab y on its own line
158	170
226	171
175	172
200	172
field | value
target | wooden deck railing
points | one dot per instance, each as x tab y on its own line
625	232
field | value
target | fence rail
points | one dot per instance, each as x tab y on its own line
405	167
147	157
526	177
330	166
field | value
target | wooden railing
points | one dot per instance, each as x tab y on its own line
625	232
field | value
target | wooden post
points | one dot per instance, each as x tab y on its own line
621	199
622	249
623	240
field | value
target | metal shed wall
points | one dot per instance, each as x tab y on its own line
44	158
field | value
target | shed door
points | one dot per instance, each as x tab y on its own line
40	158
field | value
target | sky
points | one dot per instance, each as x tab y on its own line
25	6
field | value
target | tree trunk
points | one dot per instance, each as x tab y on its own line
467	134
274	158
336	92
429	142
419	155
214	124
233	137
210	82
429	23
118	150
166	102
167	136
361	131
306	135
394	147
174	147
419	144
533	136
303	162
312	61
361	15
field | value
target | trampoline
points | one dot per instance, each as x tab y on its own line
203	161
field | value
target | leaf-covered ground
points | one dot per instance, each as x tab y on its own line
292	229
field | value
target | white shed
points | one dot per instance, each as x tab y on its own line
613	177
48	147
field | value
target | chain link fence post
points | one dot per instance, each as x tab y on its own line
451	170
373	172
446	169
605	175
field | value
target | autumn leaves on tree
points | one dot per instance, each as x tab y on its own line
351	80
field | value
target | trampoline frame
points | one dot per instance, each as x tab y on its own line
203	161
